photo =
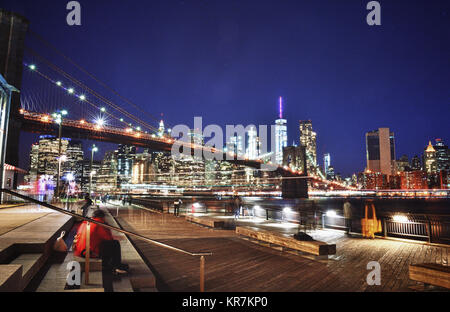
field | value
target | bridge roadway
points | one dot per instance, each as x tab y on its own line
42	124
243	266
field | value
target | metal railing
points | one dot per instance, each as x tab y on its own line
141	237
407	228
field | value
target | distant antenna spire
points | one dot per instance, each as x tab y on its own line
281	107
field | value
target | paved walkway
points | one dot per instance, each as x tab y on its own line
11	218
241	265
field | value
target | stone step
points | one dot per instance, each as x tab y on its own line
10	277
31	264
122	285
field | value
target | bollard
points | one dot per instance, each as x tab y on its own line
202	274
88	253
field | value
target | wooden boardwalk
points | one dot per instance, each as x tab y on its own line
240	265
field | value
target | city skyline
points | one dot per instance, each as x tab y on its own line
348	80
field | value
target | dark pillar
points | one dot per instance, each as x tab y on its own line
294	186
13	29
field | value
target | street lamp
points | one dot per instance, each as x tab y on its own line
93	150
58	117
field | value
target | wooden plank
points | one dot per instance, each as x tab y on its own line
430	273
314	247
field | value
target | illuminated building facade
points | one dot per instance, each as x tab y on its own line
308	140
442	155
280	134
107	178
416	164
373	180
252	149
74	161
125	159
429	159
44	157
402	164
413	180
86	165
326	164
380	151
236	145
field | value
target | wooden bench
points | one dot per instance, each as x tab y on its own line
430	274
312	247
207	221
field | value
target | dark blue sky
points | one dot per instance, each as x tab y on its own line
229	60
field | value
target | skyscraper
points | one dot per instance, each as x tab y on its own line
380	151
280	134
125	158
308	140
236	145
442	155
429	159
326	163
252	150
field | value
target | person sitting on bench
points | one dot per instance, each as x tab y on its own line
102	245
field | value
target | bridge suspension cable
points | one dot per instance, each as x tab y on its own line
52	47
94	93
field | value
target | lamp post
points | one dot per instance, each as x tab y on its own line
93	150
58	117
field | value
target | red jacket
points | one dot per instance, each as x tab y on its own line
98	235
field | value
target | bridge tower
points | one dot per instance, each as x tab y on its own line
13	29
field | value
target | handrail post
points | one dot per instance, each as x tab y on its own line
88	253
202	273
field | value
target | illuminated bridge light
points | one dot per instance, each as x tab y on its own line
32	67
82	121
70	90
59	83
82	97
103	109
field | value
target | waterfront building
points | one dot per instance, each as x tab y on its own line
44	157
402	164
143	170
380	151
85	177
413	180
107	176
74	162
125	160
373	180
442	155
308	140
416	163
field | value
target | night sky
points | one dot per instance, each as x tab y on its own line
229	61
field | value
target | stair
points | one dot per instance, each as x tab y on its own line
25	250
10	277
31	264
